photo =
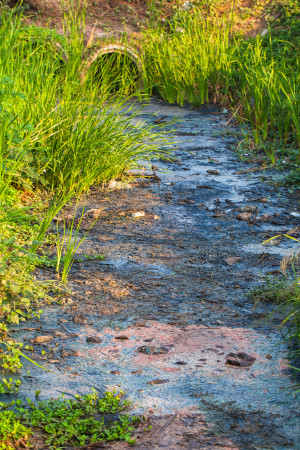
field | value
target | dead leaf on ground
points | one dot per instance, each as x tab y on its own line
252	169
231	260
245	216
42	339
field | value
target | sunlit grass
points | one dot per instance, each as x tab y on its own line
196	60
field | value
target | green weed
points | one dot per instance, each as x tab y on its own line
285	292
69	422
12	431
274	290
9	386
195	57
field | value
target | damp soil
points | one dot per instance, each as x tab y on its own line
160	314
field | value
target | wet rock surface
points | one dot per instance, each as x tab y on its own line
168	305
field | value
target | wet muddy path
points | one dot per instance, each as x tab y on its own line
160	314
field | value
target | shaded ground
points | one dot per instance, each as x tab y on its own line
107	17
169	303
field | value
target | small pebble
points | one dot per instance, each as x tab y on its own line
93	340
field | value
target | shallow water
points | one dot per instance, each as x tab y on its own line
166	282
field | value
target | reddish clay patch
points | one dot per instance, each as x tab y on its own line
200	347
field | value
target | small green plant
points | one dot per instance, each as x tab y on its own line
69	243
274	290
12	431
69	422
9	386
285	292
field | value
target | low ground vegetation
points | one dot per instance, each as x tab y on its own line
64	422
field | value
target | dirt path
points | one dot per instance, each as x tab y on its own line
168	303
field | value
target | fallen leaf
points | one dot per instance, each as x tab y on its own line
43	339
231	260
245	216
138	214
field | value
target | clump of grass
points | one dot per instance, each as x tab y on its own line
273	290
185	59
196	58
285	292
67	245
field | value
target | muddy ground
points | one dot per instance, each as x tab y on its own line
105	18
160	314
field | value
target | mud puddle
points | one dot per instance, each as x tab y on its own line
160	315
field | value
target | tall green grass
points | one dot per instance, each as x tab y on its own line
80	134
187	58
59	134
197	60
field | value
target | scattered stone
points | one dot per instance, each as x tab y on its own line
295	214
185	201
153	350
155	217
113	184
157	381
213	172
42	339
273	242
136	372
67	301
115	372
93	340
80	320
251	169
138	214
140	324
181	363
122	337
265	218
59	334
269	356
245	216
262	200
67	353
219	214
231	260
238	303
240	359
93	213
53	361
249	208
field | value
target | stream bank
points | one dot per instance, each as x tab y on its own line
159	316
